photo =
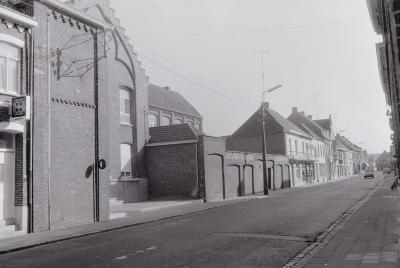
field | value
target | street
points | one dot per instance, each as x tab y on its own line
264	232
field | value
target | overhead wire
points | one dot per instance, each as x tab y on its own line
189	73
196	83
261	30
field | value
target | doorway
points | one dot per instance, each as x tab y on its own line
7	186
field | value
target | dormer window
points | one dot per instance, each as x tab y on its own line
9	68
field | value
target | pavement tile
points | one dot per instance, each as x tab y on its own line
370	236
353	257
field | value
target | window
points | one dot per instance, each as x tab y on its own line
9	68
153	120
197	125
295	146
177	121
189	122
126	160
290	145
165	120
125	106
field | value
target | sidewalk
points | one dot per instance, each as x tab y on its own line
370	237
125	215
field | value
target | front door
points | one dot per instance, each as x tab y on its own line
6	185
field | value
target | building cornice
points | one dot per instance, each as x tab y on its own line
16	17
74	14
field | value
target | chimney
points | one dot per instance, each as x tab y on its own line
167	88
294	110
309	117
266	105
303	113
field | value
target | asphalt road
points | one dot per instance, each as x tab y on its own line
264	232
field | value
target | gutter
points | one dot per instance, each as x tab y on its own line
75	14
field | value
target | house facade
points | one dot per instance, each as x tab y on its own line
127	94
283	138
343	157
168	107
320	143
54	117
384	18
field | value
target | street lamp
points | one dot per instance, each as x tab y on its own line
264	141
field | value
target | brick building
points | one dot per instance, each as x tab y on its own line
184	163
321	143
385	22
127	104
52	58
283	139
168	107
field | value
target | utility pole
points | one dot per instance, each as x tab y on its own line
264	145
264	115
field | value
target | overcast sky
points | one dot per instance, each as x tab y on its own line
321	51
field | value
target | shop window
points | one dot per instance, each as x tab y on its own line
177	121
9	68
165	120
125	106
6	141
153	118
126	160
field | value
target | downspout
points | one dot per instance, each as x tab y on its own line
96	132
49	122
30	160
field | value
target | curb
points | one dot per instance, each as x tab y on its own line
119	227
305	255
101	229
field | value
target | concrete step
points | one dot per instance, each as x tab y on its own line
115	201
6	222
7	228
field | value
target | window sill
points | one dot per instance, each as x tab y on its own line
126	124
127	179
11	94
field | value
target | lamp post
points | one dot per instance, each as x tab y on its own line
264	140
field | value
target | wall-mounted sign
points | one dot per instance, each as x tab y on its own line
20	107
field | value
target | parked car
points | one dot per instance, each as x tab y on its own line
386	171
369	173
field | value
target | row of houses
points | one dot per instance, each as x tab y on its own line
385	21
81	125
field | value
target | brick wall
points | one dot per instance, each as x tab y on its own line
172	170
64	122
124	71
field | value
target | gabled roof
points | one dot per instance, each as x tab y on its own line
308	125
324	123
173	133
165	98
252	127
344	144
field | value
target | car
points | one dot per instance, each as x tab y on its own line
386	171
369	173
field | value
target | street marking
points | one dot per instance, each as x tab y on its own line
152	248
120	258
265	236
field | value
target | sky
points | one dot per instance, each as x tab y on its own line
322	52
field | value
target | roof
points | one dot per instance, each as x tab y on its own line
286	124
165	98
308	125
173	133
344	144
324	123
251	127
